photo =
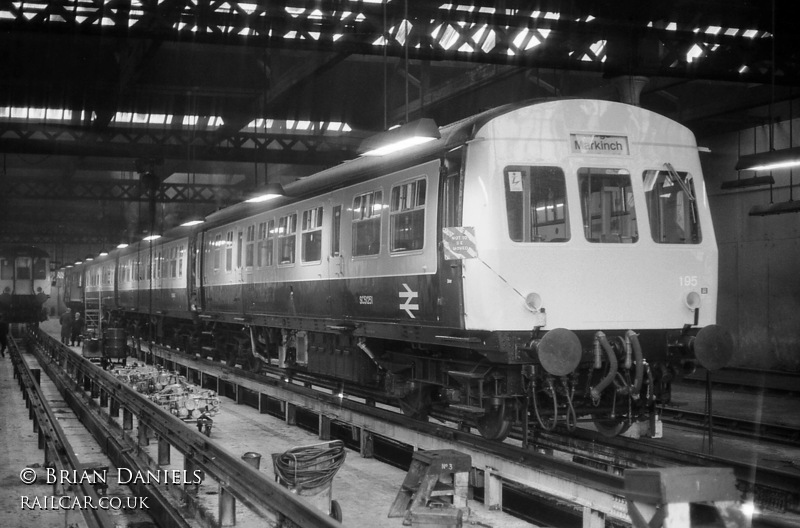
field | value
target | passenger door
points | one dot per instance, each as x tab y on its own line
336	264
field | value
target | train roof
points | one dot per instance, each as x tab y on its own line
366	167
22	250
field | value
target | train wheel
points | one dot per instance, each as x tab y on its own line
608	426
494	425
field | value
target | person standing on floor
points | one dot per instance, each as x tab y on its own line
66	320
77	330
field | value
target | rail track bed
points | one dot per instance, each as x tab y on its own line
551	468
595	463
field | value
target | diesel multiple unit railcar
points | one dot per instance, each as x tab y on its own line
549	262
24	283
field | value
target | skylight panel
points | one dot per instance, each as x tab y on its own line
248	7
449	37
695	53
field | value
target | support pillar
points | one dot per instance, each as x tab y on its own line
593	518
493	490
291	414
113	409
366	444
324	427
103	399
127	420
190	467
227	508
142	435
163	452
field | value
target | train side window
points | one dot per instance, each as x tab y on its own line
229	251
269	248
217	248
39	268
312	235
536	204
260	245
249	250
173	262
367	209
336	231
160	266
6	269
181	254
609	215
407	216
239	248
287	231
671	207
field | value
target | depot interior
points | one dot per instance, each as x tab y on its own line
117	122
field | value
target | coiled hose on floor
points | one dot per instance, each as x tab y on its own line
309	467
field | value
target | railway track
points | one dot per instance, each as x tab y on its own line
89	390
756	380
551	461
778	434
584	455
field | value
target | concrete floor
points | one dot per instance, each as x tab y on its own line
20	451
364	488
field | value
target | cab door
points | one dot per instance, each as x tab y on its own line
450	216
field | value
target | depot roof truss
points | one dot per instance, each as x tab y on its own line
176	144
544	33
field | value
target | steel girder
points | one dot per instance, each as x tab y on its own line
177	144
28	188
709	39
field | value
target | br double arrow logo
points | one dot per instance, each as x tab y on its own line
409	296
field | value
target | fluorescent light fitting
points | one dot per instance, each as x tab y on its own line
790	206
192	222
103	253
755	181
150	238
122	245
773	159
269	192
400	138
89	258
